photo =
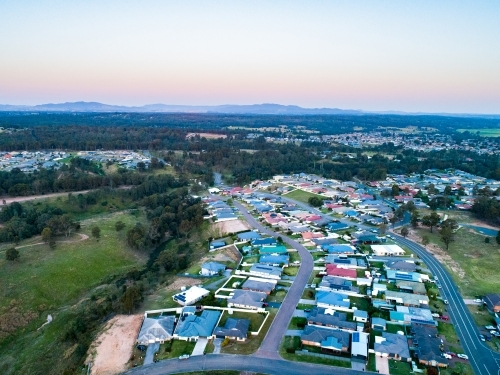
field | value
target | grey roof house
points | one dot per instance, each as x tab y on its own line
155	330
234	329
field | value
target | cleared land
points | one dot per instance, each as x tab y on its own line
206	135
483	132
113	348
302	196
232	226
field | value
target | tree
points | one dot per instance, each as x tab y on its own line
48	237
447	190
382	228
315	201
425	240
141	166
96	232
414	219
394	190
497	238
447	232
486	240
431	220
405	231
12	254
119	225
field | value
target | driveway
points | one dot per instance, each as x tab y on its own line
200	346
150	353
294	332
382	364
217	346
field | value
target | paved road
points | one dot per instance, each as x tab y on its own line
482	359
270	346
239	362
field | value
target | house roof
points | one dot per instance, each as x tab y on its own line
258	285
248	235
360	314
264	241
408	298
332	298
153	329
328	338
339	249
274	259
401	265
392	343
197	326
270	249
415	287
379	322
335	319
338	283
213	266
492	300
247	298
428	344
233	328
265	269
334	270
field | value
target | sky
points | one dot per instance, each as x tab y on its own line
414	56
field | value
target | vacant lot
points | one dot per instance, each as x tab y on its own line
302	196
232	226
483	132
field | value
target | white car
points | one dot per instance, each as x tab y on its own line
495	333
463	356
435	315
478	300
184	356
489	328
445	301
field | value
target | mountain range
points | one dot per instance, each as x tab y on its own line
258	109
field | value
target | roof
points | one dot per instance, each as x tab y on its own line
153	329
392	343
379	322
247	298
191	294
328	338
233	328
270	249
334	270
412	315
492	299
213	266
248	235
274	259
335	319
333	299
403	275
341	248
360	314
387	249
264	241
401	265
359	344
265	269
197	326
337	283
427	343
407	298
337	226
415	287
258	285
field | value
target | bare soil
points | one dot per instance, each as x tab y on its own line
232	226
112	350
206	135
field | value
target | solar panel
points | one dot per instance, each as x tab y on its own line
355	337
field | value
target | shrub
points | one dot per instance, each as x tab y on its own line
225	342
290	350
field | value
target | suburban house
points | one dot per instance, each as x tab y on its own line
274	259
212	268
492	302
273	249
264	241
329	340
191	327
155	330
392	346
248	236
359	345
337	284
190	296
234	329
408	276
246	299
266	271
332	300
339	249
379	324
378	288
334	270
407	315
427	346
400	265
217	244
387	250
319	242
411	287
337	225
259	285
406	299
345	262
330	319
360	316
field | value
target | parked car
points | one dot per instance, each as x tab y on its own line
445	301
489	328
184	356
488	337
452	354
478	300
495	333
435	315
445	317
481	337
463	356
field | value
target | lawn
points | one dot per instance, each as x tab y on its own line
277	296
174	349
253	343
294	256
481	316
477	259
302	196
483	132
297	323
399	368
360	302
291	271
447	330
44	279
293	342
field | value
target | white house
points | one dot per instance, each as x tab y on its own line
190	296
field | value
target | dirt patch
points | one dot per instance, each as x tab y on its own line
179	282
230	253
206	135
112	349
232	226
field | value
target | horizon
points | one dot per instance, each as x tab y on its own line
423	57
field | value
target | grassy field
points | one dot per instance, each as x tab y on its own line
483	132
255	319
399	368
174	349
475	271
302	196
44	279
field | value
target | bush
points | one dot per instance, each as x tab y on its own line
12	254
225	342
290	350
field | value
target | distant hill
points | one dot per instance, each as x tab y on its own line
257	109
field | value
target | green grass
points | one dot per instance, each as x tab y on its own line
481	315
483	132
478	260
175	348
394	328
302	196
294	256
277	296
360	302
291	271
44	279
296	321
447	330
253	342
294	342
372	366
399	368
